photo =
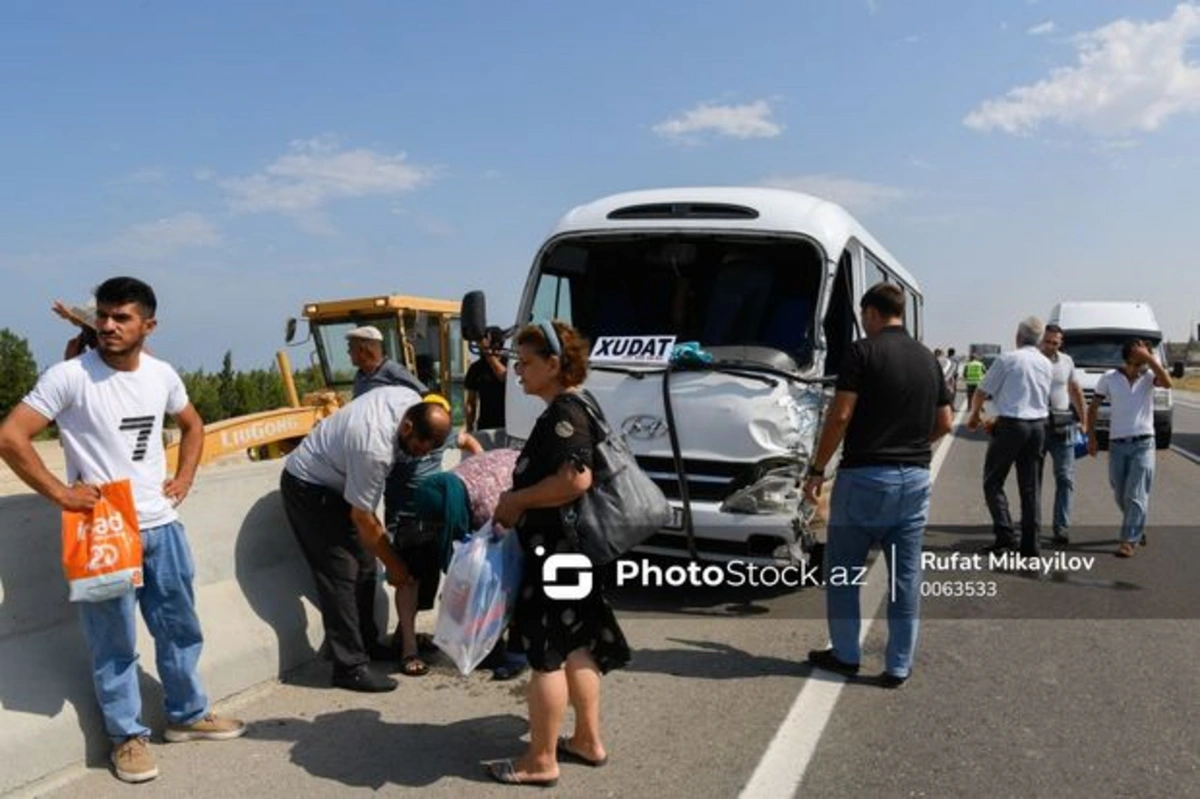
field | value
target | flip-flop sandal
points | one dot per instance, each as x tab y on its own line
565	752
504	771
413	666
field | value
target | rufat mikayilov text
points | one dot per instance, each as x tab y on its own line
1005	561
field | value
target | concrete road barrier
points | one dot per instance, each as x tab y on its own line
256	602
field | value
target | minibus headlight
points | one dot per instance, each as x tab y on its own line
777	492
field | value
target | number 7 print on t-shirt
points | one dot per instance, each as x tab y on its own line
143	426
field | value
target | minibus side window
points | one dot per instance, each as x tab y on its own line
876	272
553	298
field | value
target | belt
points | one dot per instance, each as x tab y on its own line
1145	437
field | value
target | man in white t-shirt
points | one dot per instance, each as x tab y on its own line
1067	409
109	406
1130	394
331	486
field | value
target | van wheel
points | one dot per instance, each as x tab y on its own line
1162	438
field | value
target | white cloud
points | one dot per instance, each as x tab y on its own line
1131	76
873	7
1042	28
162	238
856	195
317	171
750	121
919	163
146	177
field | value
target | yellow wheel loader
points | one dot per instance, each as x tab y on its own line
424	335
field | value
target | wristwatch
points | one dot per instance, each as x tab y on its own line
813	471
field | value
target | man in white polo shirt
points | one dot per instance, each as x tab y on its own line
331	486
1018	384
1130	394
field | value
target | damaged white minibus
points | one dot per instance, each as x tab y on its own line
767	282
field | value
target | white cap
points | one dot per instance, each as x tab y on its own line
368	332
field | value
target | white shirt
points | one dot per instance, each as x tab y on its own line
1132	404
1019	384
111	424
1063	370
353	450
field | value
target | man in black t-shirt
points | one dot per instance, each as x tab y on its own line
892	403
484	385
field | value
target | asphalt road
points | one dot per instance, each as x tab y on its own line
1081	682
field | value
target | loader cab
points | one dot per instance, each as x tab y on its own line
423	335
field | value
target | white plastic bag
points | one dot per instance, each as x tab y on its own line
478	592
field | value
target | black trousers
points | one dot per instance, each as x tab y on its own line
344	571
1015	442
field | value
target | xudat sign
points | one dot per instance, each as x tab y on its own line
633	349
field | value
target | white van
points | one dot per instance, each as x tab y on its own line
766	281
1093	333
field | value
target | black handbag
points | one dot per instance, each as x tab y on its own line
623	507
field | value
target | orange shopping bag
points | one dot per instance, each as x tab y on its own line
102	548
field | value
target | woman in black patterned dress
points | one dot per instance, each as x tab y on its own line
570	643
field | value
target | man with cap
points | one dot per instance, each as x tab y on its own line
331	486
365	345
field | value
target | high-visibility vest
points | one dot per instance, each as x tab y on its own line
974	372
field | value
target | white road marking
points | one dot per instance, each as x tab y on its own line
1191	456
1185	404
783	765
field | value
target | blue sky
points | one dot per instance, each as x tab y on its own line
247	157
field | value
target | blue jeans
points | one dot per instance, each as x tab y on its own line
887	506
1130	473
1061	450
169	608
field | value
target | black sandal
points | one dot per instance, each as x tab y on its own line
565	752
413	666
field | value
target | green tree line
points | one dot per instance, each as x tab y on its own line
228	393
216	395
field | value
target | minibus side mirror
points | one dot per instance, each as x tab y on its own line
1177	370
474	316
290	334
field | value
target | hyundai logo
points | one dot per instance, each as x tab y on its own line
644	428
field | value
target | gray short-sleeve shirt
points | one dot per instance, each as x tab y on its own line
389	373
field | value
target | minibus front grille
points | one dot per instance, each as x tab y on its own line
708	481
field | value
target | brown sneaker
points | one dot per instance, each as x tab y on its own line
133	762
209	728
